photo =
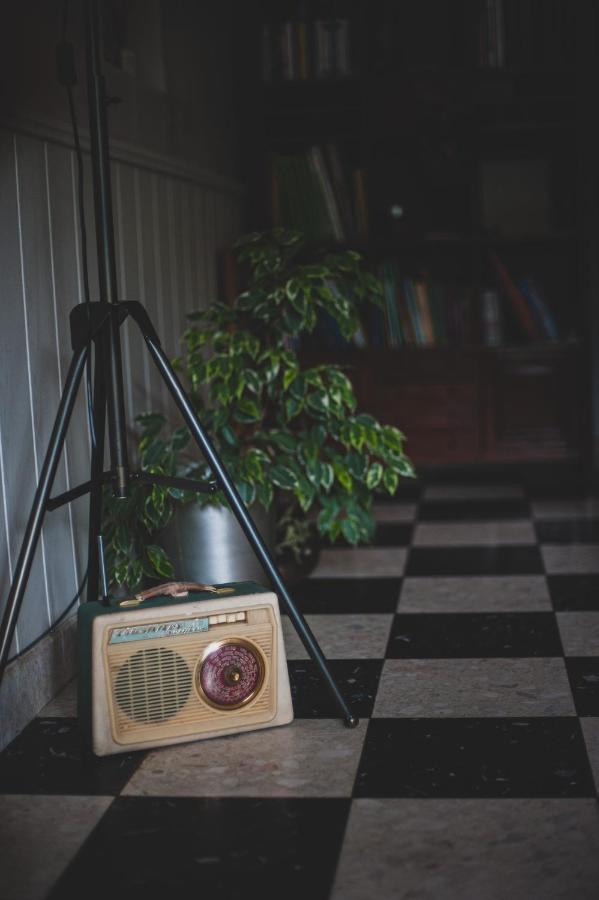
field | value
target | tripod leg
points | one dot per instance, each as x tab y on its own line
97	468
38	509
245	520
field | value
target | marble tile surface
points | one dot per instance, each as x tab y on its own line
475	635
309	758
456	491
471	534
357	680
578	559
152	848
590	730
342	636
39	835
475	849
363	562
579	633
50	756
477	593
473	687
566	508
394	512
543	756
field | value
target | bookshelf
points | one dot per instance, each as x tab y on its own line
449	157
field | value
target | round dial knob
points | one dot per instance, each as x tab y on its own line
231	673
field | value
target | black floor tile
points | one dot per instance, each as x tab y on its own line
560	486
347	595
49	757
409	489
357	679
392	534
583	672
574	592
572	531
472	510
478	635
495	560
528	757
227	848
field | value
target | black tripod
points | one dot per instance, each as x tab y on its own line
99	324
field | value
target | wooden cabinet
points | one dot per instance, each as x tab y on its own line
508	404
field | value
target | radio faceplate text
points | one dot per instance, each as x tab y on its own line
175	628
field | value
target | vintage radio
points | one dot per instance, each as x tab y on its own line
180	663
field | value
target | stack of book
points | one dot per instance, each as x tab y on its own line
526	305
314	193
526	33
301	50
423	313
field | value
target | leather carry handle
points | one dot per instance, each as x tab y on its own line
174	589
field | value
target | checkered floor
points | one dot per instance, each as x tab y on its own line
466	638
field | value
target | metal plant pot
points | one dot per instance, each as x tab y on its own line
206	544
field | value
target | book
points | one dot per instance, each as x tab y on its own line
492	329
516	299
421	291
317	162
539	307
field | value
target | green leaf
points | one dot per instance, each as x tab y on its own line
357	435
314	472
252	380
357	463
293	407
180	439
350	530
292	288
390	480
284	440
405	467
327	476
246	411
319	401
265	494
247	492
159	561
155	453
289	377
305	493
229	435
284	477
343	476
375	473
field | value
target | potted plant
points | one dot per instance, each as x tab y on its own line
291	436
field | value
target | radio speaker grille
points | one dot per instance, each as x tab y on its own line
153	685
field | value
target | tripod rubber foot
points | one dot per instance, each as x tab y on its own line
351	721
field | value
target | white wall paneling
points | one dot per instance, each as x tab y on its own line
169	226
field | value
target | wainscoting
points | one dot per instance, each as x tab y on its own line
170	222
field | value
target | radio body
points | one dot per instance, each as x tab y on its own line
168	671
